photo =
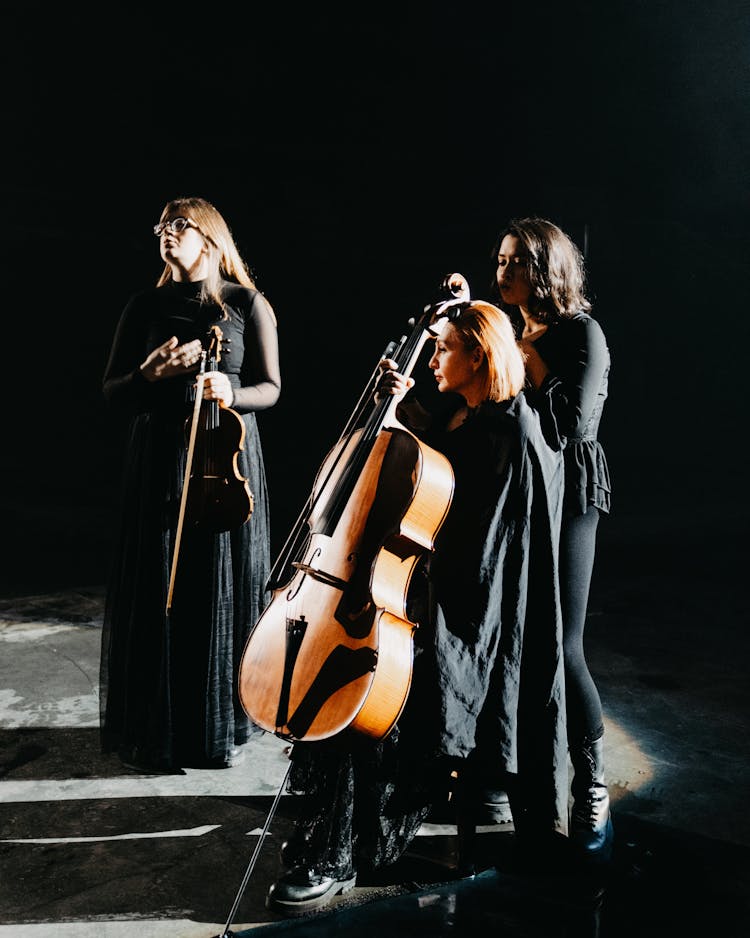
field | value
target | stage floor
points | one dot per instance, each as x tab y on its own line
90	849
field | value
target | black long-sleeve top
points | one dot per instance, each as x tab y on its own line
576	354
250	358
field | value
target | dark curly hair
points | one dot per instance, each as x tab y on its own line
554	265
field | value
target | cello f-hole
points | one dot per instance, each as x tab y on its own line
293	592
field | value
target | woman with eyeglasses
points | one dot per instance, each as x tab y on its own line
182	597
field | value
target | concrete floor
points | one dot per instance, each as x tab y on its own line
89	849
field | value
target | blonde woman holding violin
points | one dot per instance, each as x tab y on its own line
188	574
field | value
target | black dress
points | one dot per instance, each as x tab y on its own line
488	676
168	682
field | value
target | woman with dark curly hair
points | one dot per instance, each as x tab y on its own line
541	279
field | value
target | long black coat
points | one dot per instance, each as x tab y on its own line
488	677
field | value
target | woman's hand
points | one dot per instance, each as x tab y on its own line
217	387
171	359
392	381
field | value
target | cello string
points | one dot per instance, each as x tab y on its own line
405	358
406	354
401	351
292	542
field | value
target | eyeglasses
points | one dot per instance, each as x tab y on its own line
174	226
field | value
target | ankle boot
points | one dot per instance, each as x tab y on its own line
477	801
591	831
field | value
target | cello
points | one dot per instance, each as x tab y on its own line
334	646
215	495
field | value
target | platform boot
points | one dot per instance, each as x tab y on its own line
591	831
478	802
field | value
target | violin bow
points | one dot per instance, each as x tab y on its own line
186	480
201	377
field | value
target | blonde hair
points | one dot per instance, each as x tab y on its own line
224	259
481	324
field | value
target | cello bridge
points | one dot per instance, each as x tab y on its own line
320	575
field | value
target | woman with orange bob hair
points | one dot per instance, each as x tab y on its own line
487	687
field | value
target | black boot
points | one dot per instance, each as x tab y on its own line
304	890
591	831
539	847
494	806
480	799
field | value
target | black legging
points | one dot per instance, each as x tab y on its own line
577	550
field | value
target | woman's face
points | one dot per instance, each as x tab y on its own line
182	249
455	367
512	279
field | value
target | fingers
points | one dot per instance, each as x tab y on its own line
217	387
184	357
189	353
165	350
170	359
393	382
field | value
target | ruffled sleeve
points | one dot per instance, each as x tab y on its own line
586	476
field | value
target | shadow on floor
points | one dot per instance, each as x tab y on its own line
660	883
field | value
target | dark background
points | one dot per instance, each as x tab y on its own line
359	157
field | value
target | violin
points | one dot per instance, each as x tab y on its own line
215	494
219	496
333	648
